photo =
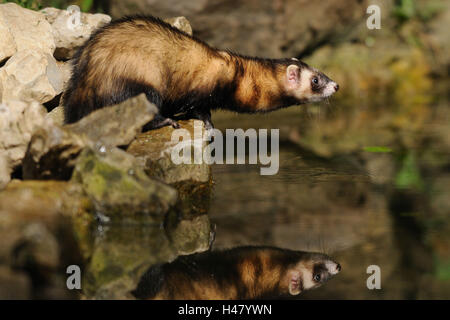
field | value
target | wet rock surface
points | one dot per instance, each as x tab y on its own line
153	151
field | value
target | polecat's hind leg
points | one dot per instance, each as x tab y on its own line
159	121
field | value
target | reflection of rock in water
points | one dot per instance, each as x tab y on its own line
239	273
39	234
120	254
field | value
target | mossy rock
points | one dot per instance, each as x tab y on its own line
119	189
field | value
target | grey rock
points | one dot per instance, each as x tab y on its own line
54	149
117	125
153	151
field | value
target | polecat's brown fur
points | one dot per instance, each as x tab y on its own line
239	273
181	74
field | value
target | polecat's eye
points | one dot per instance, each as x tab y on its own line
317	278
315	80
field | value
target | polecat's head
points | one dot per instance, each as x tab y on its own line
313	270
307	84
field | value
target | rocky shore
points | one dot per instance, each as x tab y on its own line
58	182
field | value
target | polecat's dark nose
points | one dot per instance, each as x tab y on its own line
336	87
338	267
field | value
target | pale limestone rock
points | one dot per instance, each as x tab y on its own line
7	45
66	70
5	170
30	75
71	28
18	121
23	29
57	115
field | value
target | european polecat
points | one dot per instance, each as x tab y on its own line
239	273
182	75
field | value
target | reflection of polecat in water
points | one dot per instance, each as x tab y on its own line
182	75
239	273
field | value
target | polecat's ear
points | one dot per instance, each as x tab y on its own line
295	282
293	74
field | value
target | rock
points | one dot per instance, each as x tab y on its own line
189	236
121	254
8	46
24	29
119	188
153	151
180	23
30	75
71	29
18	121
66	70
38	244
119	125
264	28
54	148
5	171
52	153
56	116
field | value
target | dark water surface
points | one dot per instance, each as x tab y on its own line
388	208
386	205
